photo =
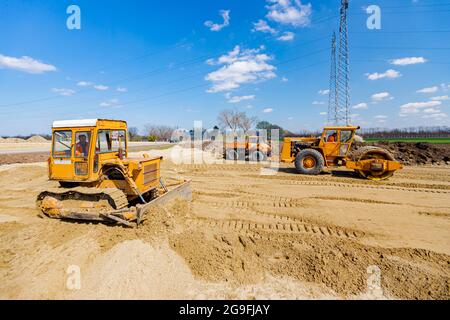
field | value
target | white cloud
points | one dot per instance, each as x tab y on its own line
110	103
414	107
64	92
391	74
237	99
268	110
84	84
445	87
431	110
440	98
324	92
428	90
287	36
318	103
284	79
240	67
25	64
323	113
381	96
361	105
291	12
408	61
381	118
101	87
217	27
436	116
122	89
290	118
262	26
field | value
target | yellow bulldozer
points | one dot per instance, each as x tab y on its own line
333	149
98	181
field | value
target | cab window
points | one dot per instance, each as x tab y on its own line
62	144
110	141
330	136
346	136
82	144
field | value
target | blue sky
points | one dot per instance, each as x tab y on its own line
163	62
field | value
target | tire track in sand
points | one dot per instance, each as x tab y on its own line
278	227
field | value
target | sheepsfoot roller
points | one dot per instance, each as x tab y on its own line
334	149
98	181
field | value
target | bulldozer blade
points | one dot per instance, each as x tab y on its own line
116	219
116	216
182	191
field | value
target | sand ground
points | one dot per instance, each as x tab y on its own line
249	233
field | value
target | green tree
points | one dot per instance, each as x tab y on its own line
265	125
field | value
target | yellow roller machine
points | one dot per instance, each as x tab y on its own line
333	149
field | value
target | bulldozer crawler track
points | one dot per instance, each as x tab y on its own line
115	197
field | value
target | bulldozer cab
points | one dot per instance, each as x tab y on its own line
79	145
336	141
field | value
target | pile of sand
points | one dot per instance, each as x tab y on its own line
33	139
13	140
136	270
37	139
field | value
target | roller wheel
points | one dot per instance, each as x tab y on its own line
366	153
309	161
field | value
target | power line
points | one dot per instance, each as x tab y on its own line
401	48
150	73
207	84
195	87
181	90
199	73
388	60
417	6
399	32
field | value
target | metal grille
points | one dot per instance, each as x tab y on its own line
151	173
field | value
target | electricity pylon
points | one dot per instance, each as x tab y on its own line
332	96
343	72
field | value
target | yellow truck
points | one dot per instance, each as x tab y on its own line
253	148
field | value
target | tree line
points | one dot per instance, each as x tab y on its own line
235	121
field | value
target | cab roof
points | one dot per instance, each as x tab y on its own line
81	123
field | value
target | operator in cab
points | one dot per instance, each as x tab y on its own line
82	146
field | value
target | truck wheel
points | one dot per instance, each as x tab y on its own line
309	161
257	156
231	154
